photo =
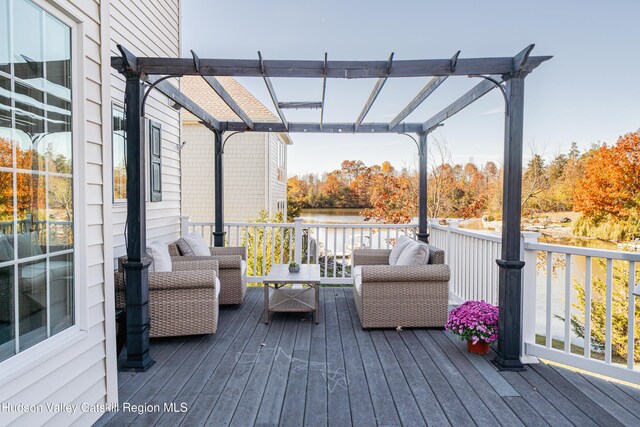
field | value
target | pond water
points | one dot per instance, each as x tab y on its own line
332	216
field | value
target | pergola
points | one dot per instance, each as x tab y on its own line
504	73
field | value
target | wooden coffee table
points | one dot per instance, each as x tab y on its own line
280	296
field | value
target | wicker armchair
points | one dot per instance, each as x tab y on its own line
388	296
232	263
181	302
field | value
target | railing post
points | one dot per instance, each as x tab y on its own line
452	223
184	225
297	240
530	258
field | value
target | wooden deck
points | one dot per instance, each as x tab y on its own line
292	372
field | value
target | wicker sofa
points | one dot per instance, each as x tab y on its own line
232	262
388	296
183	301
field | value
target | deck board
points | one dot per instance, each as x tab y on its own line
361	405
294	372
486	392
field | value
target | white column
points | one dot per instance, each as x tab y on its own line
297	239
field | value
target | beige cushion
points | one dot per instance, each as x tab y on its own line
357	278
414	254
402	242
6	250
160	258
28	245
193	245
217	287
243	267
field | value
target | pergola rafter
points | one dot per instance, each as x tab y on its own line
505	73
424	93
377	88
272	92
324	90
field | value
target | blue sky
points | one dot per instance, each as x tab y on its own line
589	91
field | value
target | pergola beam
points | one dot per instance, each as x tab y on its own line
325	127
334	69
461	103
272	92
377	88
172	92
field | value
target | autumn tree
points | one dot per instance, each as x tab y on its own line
393	196
608	192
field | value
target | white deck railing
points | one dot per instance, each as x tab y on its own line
555	278
329	245
568	288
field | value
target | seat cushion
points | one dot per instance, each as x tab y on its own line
6	250
243	267
160	258
357	278
193	245
217	287
28	245
414	254
401	243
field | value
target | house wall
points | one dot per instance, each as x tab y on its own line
197	173
78	365
277	174
151	28
244	175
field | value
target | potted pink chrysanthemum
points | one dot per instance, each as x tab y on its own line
476	322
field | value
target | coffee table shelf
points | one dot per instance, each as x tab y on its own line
304	298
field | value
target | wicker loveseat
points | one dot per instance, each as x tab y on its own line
183	301
232	262
388	296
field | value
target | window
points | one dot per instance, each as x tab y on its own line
119	143
36	177
153	162
282	154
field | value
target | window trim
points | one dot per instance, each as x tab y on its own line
20	363
114	201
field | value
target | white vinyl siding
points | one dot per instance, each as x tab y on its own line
250	174
73	365
151	29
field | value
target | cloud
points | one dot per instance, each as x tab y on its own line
495	110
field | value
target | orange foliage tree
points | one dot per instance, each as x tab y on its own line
608	193
30	197
611	179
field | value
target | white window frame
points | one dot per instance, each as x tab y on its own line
119	106
19	364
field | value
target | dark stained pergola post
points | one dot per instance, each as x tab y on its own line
218	234
137	265
510	277
423	233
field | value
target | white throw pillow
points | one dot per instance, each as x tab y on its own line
414	254
160	258
401	243
197	244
